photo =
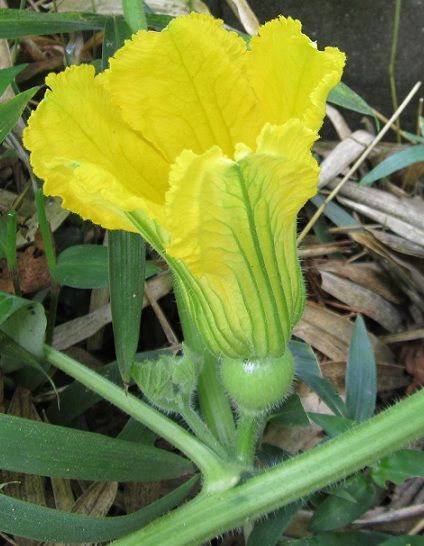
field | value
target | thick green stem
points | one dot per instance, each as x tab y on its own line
207	516
247	435
214	404
218	474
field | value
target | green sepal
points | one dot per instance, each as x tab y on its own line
170	381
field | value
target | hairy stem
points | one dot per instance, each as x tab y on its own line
248	429
206	516
217	473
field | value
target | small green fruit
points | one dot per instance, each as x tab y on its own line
257	385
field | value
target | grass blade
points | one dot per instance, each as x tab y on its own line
30	520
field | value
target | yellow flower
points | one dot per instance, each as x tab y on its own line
202	144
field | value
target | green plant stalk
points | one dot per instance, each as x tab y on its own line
207	516
202	431
213	401
218	473
248	429
134	14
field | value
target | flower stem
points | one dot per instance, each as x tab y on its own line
247	434
201	430
214	404
206	516
217	472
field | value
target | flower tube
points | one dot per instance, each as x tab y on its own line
203	145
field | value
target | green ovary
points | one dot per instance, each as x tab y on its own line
257	385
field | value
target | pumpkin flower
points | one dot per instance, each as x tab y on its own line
203	145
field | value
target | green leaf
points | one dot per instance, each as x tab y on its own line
335	512
325	390
332	424
82	266
305	359
291	413
75	399
11	110
335	212
268	531
308	370
7	75
134	431
170	381
116	32
350	538
50	450
134	14
361	375
29	520
86	266
24	321
344	96
398	467
395	162
15	23
126	253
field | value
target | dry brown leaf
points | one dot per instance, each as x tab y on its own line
330	333
339	123
412	354
389	376
362	300
114	7
78	329
32	271
342	155
245	15
409	277
97	499
403	215
138	495
398	244
369	275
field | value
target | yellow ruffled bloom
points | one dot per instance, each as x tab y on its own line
202	144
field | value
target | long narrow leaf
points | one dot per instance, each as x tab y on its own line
344	96
361	375
29	520
11	111
15	23
7	75
49	450
395	162
126	281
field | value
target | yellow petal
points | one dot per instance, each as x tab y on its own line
232	229
291	77
86	154
186	87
